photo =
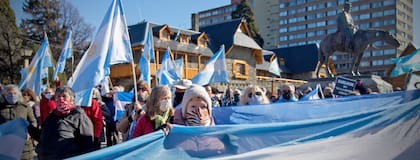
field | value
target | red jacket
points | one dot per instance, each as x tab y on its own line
143	126
46	106
94	113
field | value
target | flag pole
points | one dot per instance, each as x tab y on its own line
134	80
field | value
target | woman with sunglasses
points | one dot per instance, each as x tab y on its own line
253	95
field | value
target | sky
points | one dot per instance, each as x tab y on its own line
175	13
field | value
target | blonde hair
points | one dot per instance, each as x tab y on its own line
244	100
152	104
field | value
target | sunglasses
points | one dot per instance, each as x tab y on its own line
256	93
142	89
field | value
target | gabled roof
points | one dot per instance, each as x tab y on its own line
226	33
299	59
139	31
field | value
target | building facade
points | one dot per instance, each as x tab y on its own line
288	23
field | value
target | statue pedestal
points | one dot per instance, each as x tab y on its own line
376	83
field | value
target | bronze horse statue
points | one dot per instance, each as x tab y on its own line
361	40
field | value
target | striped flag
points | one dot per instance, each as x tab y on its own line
13	137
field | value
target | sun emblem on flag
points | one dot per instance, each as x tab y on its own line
31	70
91	50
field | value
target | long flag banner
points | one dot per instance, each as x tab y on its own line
110	46
37	70
379	126
214	71
66	53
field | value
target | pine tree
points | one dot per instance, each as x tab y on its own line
10	45
243	10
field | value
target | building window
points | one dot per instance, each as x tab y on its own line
240	69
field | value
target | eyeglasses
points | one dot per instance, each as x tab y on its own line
256	93
142	89
286	91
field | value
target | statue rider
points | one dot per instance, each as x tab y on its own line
345	26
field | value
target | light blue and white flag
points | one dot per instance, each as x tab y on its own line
274	67
110	46
121	99
314	94
38	69
214	71
179	64
13	137
167	72
147	56
406	64
66	53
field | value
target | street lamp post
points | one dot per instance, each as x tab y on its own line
26	54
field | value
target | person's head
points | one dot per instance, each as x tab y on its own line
180	88
328	92
29	95
12	94
143	91
196	107
64	99
236	95
96	94
209	90
48	93
159	101
347	6
253	95
288	91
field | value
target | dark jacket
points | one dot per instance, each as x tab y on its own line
66	136
19	110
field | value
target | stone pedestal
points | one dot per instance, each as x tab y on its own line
376	83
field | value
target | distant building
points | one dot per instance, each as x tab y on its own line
288	23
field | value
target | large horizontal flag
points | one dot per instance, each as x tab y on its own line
406	64
167	72
121	99
37	70
12	137
214	71
110	46
66	53
324	129
145	58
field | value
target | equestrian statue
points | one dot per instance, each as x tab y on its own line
350	40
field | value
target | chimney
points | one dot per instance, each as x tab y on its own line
194	22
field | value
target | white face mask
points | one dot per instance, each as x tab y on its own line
256	100
165	104
48	96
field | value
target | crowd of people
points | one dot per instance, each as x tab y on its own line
60	129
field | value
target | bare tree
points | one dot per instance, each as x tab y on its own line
10	57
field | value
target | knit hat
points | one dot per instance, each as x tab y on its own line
195	91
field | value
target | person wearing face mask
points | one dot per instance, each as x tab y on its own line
47	104
288	94
158	111
196	110
133	111
180	88
14	107
253	95
67	131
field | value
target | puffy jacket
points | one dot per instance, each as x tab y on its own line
66	136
